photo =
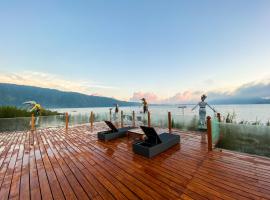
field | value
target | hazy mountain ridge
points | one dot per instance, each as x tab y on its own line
11	94
251	100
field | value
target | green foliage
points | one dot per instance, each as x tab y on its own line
245	138
230	118
45	112
12	112
193	125
185	123
173	124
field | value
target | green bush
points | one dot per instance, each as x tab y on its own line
252	139
12	112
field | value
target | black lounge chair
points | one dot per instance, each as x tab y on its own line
155	144
113	133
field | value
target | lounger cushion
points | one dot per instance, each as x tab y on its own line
110	135
149	150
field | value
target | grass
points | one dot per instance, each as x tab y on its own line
12	112
247	138
183	124
16	119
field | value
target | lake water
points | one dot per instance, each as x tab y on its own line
248	112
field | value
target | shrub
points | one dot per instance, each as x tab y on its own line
12	112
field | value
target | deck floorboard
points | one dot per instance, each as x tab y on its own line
57	164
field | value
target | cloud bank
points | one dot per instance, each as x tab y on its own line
257	89
250	90
45	80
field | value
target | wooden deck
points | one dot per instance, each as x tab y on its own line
53	164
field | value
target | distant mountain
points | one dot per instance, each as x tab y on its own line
11	94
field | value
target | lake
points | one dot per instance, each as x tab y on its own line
247	112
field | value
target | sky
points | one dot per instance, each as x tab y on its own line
168	51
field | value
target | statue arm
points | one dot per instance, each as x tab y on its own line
33	108
195	106
211	107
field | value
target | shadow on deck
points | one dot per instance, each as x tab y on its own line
53	164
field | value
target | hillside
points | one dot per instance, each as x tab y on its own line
15	95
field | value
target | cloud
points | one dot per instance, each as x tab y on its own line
151	97
45	80
257	89
253	90
208	81
184	97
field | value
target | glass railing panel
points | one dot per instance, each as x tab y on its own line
185	122
15	124
141	119
159	120
215	127
101	116
127	118
50	121
252	139
79	119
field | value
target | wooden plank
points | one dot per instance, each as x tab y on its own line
110	173
34	181
45	189
16	179
75	185
99	176
5	155
78	166
127	167
25	179
53	181
87	187
65	186
142	176
101	190
6	184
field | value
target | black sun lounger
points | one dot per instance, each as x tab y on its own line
154	144
113	133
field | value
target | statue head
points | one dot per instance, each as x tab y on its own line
203	97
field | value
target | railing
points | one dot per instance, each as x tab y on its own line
240	137
166	120
252	139
28	123
15	124
132	118
215	128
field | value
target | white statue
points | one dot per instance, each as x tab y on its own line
202	110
